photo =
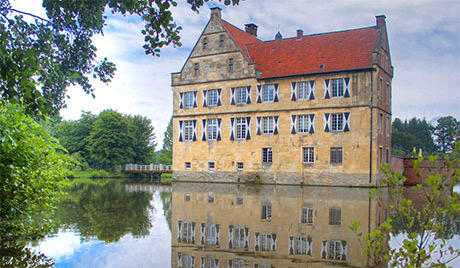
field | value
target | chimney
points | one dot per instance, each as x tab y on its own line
380	21
278	36
251	29
299	34
216	11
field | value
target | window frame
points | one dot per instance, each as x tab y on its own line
239	165
336	155
267	155
307	215
335	216
268	125
230	65
308	155
337	122
205	42
211	165
241	128
303	90
268	93
303	124
187	165
188	130
213	97
188	99
212	130
337	88
241	95
222	40
196	69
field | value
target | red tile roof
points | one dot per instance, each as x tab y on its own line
319	53
241	37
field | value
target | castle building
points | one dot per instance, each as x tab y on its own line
312	109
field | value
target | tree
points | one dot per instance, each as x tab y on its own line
32	175
39	60
166	152
427	228
446	133
144	139
111	141
412	133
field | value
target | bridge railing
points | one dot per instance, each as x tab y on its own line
151	167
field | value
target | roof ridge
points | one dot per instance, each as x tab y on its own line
316	34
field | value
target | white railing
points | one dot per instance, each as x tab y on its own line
151	167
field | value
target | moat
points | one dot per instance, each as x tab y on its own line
120	223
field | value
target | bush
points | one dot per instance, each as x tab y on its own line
99	174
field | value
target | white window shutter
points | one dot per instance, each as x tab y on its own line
179	231
232	128
276	97
194	130
312	89
219	129
248	88
293	123
202	234
181	100
230	236
327	84
232	96
347	87
256	242
248	128
324	250
195	93
203	130
259	132
205	98
181	130
276	123
291	246
259	94
293	91
312	123
193	233
246	238
346	118
344	250
217	234
274	242
179	261
327	122
219	97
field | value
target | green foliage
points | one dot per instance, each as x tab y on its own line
143	139
446	133
167	151
40	60
413	133
99	174
32	175
426	227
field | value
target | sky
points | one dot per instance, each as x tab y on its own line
424	38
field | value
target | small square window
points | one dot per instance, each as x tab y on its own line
335	216
308	155
240	165
188	165
211	165
187	197
336	155
267	155
211	198
239	200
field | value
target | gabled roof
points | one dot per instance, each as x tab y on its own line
318	53
240	37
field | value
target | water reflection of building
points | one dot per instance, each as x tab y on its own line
268	226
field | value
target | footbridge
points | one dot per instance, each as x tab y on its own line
158	169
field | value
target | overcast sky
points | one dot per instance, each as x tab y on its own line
424	45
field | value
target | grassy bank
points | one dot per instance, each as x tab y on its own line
166	178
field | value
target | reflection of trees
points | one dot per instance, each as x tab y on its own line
166	199
23	257
452	226
104	209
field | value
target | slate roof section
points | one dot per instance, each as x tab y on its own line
312	54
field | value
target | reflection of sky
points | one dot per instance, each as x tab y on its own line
153	250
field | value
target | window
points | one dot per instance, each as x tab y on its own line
380	88
188	165
267	155
303	122
388	125
387	156
210	197
337	87
211	165
189	99
241	95
197	66
381	123
388	95
308	154
307	215
335	216
334	250
213	96
187	262
239	237
187	235
266	241
380	155
210	263
303	245
205	43
241	128
186	197
221	40
336	155
266	212
211	234
304	90
268	124
239	165
239	200
188	130
230	65
212	129
337	122
269	93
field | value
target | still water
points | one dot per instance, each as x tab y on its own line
120	223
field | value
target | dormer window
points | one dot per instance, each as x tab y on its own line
230	65
205	43
221	40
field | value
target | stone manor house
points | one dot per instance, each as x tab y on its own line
312	109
